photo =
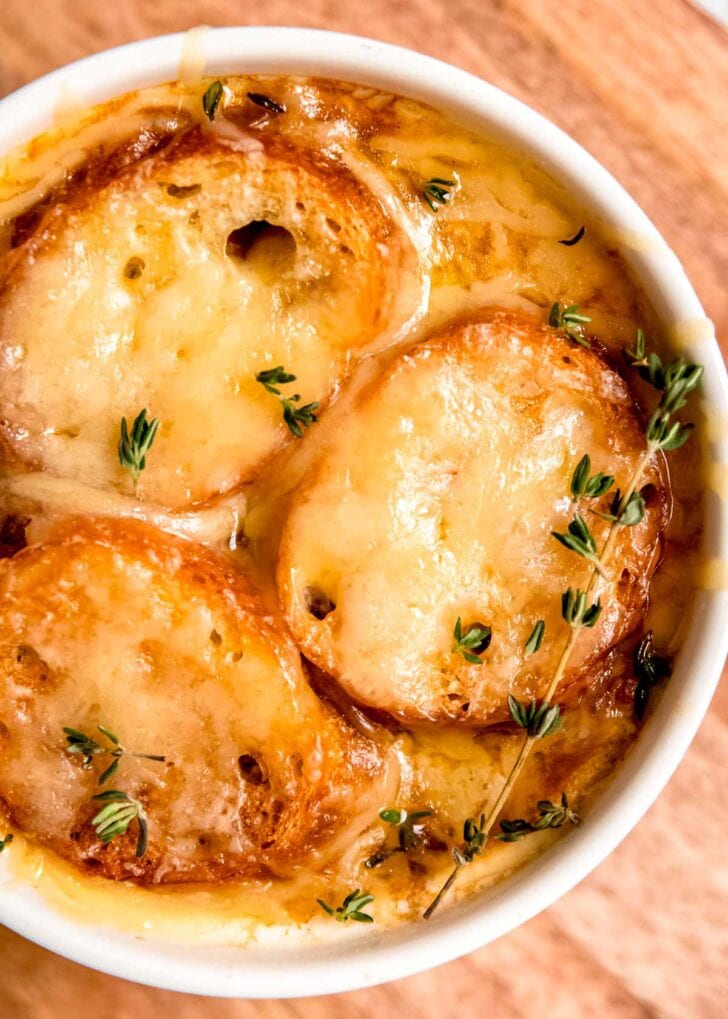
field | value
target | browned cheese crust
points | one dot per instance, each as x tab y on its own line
437	500
114	623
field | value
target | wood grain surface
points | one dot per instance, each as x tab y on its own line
643	86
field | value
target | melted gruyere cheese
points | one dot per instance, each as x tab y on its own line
495	245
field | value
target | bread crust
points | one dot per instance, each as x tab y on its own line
437	501
111	622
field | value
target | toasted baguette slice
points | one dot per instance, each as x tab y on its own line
437	500
169	287
112	623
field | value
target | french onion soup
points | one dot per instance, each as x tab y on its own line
350	509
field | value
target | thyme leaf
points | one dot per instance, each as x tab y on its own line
211	99
409	834
534	641
271	378
674	380
576	612
589	487
570	241
579	539
4	843
115	817
649	668
266	102
539	720
571	321
295	417
474	838
666	435
133	446
550	816
472	642
351	908
627	513
80	743
637	357
437	191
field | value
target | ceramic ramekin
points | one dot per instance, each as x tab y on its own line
289	971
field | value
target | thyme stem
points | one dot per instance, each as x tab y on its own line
597	574
443	891
612	532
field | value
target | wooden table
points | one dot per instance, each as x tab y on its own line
643	86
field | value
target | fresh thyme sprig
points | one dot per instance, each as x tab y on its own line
437	191
571	321
294	416
6	841
211	99
134	446
115	817
539	721
579	539
79	743
534	641
674	381
551	815
409	834
472	642
649	668
351	908
677	378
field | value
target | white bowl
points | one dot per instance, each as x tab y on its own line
279	970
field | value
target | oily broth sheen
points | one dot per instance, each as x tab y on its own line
496	244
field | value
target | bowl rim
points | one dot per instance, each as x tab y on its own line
370	957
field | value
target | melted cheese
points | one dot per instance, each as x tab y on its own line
438	500
49	499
